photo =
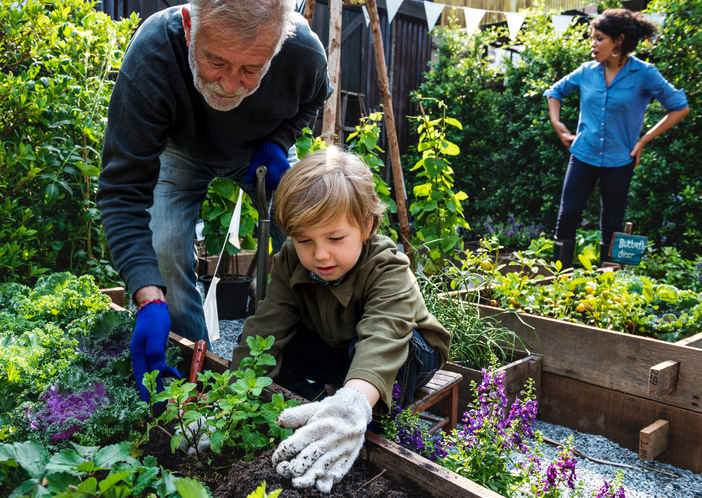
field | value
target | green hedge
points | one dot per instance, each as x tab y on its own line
57	61
512	162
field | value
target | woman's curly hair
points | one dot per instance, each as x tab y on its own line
633	25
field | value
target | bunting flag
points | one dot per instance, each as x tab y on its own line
365	15
561	23
433	11
514	23
473	18
393	6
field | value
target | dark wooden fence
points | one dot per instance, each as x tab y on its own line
117	9
407	46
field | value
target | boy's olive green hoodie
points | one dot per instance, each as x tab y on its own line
378	299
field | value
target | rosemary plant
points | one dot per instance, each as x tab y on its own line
475	339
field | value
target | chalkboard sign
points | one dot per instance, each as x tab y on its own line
627	249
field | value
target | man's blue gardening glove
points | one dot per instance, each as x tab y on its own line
272	157
148	346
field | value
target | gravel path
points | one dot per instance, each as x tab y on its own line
638	483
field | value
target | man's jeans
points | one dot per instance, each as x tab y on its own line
178	196
307	356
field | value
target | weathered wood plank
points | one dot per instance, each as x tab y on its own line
663	378
606	358
694	341
620	417
408	468
212	361
653	440
116	294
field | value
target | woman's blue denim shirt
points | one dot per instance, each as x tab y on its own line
611	117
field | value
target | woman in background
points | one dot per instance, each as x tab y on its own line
615	90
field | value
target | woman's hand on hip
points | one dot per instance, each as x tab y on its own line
637	152
564	134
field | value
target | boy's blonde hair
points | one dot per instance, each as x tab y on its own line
326	185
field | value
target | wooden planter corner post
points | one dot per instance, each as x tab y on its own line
334	64
390	125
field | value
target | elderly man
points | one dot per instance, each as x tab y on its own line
211	89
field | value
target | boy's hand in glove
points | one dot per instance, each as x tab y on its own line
325	445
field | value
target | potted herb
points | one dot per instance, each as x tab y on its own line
235	280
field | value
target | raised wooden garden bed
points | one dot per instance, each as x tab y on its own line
400	465
618	385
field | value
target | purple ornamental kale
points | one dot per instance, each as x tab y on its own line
63	407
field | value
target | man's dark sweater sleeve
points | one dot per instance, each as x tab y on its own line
126	184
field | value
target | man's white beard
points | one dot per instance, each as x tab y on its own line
214	94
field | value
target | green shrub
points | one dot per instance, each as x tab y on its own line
665	202
56	63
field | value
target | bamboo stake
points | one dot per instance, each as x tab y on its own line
334	65
390	125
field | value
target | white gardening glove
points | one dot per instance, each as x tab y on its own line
197	429
329	436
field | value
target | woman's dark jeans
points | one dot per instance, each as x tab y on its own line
308	358
579	183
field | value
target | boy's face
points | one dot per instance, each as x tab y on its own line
331	250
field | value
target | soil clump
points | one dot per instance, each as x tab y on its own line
363	480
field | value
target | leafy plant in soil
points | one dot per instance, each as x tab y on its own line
437	209
65	367
403	428
30	469
611	300
512	233
228	412
497	446
475	339
667	265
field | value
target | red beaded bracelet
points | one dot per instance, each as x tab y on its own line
149	302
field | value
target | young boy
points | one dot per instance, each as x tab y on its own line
345	309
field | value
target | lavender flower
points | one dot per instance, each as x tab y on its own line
62	408
404	428
613	490
488	416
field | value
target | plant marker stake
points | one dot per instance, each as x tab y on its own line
210	305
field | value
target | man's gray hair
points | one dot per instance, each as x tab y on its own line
244	20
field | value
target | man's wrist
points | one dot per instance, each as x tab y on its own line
149	293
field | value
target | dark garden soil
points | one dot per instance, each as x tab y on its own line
238	480
363	480
212	472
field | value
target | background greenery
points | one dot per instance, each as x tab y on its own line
57	59
512	163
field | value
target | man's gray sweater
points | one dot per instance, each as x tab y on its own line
155	104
